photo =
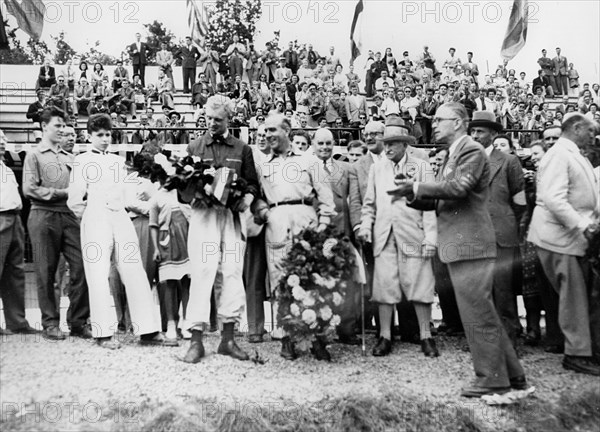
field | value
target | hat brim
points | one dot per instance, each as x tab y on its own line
391	139
486	124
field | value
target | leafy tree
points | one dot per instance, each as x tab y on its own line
64	51
94	55
33	52
229	17
158	34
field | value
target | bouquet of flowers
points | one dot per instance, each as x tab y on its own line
312	291
208	185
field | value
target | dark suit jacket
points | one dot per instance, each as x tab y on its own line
188	56
543	82
465	230
33	112
506	180
138	57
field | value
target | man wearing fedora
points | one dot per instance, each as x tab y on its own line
506	204
403	240
467	244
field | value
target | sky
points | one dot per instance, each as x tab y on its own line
477	26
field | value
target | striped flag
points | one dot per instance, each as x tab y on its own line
29	15
197	21
356	31
516	33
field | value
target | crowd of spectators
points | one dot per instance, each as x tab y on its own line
315	90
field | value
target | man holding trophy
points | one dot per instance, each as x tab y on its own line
217	235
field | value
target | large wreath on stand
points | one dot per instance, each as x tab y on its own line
312	291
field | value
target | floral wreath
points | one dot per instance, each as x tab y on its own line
312	291
205	184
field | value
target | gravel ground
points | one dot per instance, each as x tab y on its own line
43	376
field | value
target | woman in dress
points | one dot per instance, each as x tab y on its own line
83	71
169	222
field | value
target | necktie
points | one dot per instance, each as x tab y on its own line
483	104
326	168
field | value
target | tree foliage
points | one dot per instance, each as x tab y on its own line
94	55
64	51
33	52
158	34
229	17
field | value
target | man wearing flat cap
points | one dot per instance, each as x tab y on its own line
403	241
506	204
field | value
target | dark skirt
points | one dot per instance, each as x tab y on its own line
175	263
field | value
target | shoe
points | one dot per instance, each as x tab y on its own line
383	347
170	342
255	338
555	349
53	333
581	365
108	343
350	340
532	339
230	348
319	351
476	391
186	334
5	332
24	330
84	332
414	339
196	350
153	339
277	333
519	383
428	347
287	349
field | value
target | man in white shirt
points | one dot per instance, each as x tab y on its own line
384	79
12	245
98	196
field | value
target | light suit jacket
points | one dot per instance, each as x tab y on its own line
412	228
359	179
567	200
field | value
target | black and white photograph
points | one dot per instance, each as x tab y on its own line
299	215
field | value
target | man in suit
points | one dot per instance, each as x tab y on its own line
469	65
561	73
209	64
547	65
188	54
335	174
47	76
35	109
543	82
358	180
403	241
291	57
506	206
355	105
119	75
566	217
138	52
467	243
164	58
428	108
